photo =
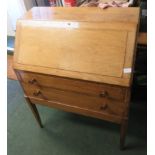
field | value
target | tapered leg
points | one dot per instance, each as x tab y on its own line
34	111
124	127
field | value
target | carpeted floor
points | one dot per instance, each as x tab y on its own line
69	134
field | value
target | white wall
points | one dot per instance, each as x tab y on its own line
10	30
15	9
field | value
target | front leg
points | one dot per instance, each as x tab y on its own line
34	111
124	126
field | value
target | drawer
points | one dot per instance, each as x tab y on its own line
73	99
90	88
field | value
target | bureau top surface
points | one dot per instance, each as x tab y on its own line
92	14
78	42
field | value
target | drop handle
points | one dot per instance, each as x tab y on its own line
104	94
104	106
32	81
37	93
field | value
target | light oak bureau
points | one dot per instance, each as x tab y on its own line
79	60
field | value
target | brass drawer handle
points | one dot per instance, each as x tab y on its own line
104	106
104	94
37	93
32	81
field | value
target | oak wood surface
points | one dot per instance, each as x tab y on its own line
124	126
76	99
83	51
67	84
96	51
92	14
73	99
124	123
34	111
78	110
79	60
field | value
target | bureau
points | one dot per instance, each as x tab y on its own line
79	60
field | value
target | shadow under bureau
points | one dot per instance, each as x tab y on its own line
79	60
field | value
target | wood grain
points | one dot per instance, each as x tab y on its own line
76	99
72	85
78	95
34	111
92	14
95	51
92	58
78	110
79	60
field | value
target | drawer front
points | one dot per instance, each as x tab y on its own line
74	99
88	88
